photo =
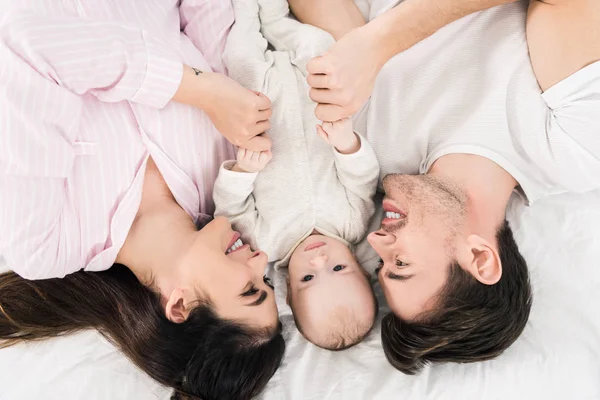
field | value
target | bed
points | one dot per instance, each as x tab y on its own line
557	357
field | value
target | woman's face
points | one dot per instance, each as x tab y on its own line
231	276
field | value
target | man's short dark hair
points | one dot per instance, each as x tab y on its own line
474	322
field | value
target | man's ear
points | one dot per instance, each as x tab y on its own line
176	310
482	260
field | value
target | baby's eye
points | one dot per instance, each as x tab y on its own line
307	278
339	268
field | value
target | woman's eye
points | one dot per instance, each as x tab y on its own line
307	278
339	268
250	292
401	264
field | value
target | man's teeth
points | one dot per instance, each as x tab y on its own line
393	215
238	243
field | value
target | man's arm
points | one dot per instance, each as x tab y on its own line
343	78
319	13
563	37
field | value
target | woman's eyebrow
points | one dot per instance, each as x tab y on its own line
260	300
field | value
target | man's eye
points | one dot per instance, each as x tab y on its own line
267	280
250	292
307	278
339	268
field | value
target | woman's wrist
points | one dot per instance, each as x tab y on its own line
194	88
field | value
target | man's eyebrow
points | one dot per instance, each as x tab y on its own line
260	300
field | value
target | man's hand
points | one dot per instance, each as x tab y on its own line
340	135
251	161
343	78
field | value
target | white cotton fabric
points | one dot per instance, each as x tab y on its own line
307	185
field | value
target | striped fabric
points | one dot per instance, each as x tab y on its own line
84	101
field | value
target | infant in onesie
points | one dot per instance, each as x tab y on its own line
308	200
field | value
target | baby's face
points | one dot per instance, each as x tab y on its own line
324	277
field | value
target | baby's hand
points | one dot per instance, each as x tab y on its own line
251	161
340	135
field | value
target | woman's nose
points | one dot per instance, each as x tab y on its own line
258	265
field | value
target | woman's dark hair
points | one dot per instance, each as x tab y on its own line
474	322
204	357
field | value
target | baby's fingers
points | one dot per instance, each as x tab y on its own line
265	157
255	156
321	132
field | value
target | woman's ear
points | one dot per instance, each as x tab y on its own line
176	310
483	260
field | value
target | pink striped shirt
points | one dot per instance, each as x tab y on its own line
84	101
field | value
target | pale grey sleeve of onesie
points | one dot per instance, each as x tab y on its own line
233	199
286	34
359	174
246	55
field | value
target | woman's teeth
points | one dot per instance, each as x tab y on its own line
393	215
238	243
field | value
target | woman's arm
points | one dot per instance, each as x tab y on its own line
39	123
117	63
207	24
343	78
107	60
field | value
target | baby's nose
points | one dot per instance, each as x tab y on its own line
320	260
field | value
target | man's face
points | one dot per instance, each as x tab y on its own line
424	215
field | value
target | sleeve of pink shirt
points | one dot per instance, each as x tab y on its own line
108	60
47	63
207	23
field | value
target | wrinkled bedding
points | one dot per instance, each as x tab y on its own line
557	357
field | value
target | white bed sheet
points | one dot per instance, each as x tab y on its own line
557	357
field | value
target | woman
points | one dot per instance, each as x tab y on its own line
99	167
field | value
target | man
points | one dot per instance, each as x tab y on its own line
455	105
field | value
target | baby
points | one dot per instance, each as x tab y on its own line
308	200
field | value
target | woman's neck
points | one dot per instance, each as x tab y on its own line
160	234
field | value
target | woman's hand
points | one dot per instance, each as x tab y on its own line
343	78
241	115
238	113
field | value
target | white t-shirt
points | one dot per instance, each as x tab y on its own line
470	88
